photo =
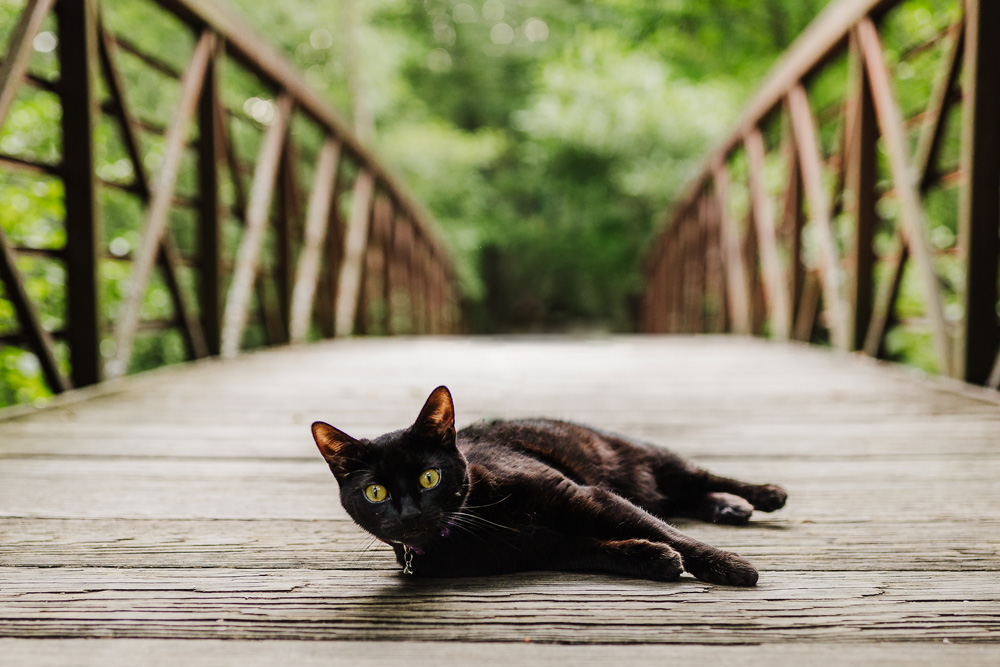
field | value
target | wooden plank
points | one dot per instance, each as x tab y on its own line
737	290
979	202
911	211
254	653
318	213
767	241
38	338
14	65
156	219
237	307
339	605
77	25
355	244
810	163
338	544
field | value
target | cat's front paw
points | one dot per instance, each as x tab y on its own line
768	497
722	567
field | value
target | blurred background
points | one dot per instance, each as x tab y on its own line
546	138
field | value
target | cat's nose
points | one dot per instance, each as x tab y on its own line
409	512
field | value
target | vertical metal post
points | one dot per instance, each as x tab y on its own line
861	177
78	62
979	207
209	223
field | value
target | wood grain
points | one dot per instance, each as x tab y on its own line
190	504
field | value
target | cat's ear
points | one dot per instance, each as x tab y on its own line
437	418
331	442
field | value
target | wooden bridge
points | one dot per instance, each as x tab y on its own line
184	515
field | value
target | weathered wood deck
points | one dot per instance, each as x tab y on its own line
190	504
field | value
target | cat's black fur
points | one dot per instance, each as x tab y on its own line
537	494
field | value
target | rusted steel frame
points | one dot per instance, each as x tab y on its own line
860	175
682	323
927	44
404	268
333	255
385	248
372	271
356	240
30	166
157	213
932	128
715	267
434	300
419	279
793	222
77	26
805	318
152	61
240	212
979	203
994	380
37	82
317	222
810	163
237	306
265	61
210	148
927	149
737	288
662	306
751	261
689	268
820	42
194	338
911	211
675	272
767	241
15	64
286	226
38	338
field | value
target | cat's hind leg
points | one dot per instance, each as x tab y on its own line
600	513
723	508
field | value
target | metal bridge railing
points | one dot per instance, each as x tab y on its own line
840	210
225	226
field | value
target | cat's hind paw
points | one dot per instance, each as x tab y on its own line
725	508
768	497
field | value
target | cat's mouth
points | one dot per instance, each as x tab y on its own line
422	536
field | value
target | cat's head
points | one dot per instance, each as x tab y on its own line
403	486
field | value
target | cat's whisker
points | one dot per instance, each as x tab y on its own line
362	550
476	518
479	507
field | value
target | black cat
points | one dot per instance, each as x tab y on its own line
536	494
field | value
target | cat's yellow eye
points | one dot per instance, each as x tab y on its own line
430	478
376	493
